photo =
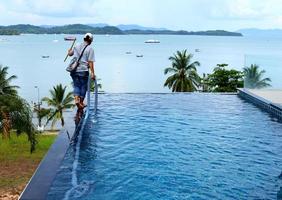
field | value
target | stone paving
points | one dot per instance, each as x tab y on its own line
274	96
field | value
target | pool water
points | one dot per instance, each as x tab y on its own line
175	146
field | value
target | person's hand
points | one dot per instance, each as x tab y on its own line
70	51
93	77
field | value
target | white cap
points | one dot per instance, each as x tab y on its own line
88	35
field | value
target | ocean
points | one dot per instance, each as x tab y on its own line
122	72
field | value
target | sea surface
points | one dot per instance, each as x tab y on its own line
121	72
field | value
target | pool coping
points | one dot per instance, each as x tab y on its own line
268	106
43	177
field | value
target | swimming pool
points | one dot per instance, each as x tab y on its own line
174	146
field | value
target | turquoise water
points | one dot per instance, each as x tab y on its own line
127	73
175	146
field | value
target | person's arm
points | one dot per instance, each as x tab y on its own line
91	61
92	72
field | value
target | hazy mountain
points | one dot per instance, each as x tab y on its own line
182	32
261	32
126	27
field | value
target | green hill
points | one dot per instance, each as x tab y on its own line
112	30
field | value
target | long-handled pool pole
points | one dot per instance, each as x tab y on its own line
70	48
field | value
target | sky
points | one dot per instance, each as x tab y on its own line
191	15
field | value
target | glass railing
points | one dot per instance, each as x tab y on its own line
263	72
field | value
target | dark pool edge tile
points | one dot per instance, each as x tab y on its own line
42	179
273	109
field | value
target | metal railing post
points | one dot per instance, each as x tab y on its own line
89	94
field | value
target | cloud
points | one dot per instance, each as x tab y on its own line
246	9
175	14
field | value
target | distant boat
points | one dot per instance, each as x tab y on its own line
197	50
45	56
3	39
152	41
69	38
128	52
139	56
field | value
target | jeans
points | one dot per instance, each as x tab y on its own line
80	83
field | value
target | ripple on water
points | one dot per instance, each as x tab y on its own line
178	147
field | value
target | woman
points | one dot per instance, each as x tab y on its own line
80	75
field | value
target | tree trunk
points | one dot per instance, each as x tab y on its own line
6	125
62	119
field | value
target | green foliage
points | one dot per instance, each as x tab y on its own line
67	29
184	76
59	101
224	80
254	78
15	112
20	117
82	29
43	113
26	28
4	31
5	82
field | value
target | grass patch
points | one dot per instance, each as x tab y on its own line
16	163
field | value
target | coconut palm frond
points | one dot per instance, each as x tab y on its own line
59	101
254	77
184	76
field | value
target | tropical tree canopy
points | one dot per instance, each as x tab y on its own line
254	78
59	101
184	76
224	80
15	113
5	82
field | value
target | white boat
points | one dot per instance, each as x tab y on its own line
69	38
152	41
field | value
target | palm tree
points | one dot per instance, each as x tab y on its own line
42	113
5	87
59	101
15	112
254	78
184	76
